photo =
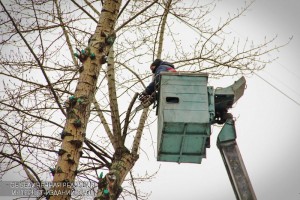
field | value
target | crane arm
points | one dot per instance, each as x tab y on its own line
233	162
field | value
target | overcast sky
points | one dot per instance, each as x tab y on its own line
267	121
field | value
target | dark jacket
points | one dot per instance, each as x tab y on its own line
162	67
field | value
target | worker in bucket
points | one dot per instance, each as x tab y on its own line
156	67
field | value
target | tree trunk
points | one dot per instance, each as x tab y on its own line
78	106
109	187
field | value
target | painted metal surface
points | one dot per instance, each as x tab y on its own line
187	108
184	115
226	97
233	162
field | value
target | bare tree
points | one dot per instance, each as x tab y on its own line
70	77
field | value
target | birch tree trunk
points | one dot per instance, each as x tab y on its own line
78	106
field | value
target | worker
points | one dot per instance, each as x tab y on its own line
156	67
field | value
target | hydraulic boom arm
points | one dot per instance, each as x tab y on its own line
233	161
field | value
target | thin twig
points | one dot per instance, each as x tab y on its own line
132	180
36	58
126	4
135	16
86	12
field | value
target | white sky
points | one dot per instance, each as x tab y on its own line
267	121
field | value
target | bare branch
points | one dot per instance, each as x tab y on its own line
36	58
128	21
127	116
86	12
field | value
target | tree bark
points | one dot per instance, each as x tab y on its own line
109	187
78	106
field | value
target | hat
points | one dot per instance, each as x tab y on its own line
156	63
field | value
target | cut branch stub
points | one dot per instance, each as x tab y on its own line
101	47
72	101
70	104
113	183
79	100
92	56
110	39
71	113
76	143
106	193
103	59
82	100
77	123
59	170
71	161
61	152
84	54
102	186
81	68
64	134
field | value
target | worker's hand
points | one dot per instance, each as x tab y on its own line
143	95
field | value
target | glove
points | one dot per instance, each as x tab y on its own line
143	95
